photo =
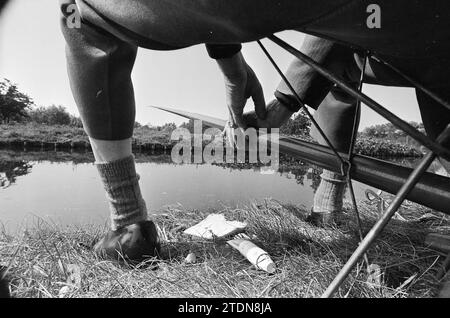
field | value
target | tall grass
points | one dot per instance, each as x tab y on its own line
307	257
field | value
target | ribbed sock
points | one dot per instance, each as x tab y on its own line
121	183
330	193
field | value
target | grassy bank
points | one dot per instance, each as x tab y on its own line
36	133
307	258
32	136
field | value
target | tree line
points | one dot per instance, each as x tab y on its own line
16	106
389	131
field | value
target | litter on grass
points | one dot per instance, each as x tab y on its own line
216	226
254	254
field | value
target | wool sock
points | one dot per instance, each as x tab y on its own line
330	193
121	183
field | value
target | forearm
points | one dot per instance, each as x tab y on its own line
232	67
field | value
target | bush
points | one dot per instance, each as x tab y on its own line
389	131
383	148
299	125
76	122
13	103
52	115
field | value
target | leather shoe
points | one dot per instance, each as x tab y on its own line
133	243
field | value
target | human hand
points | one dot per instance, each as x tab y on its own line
241	84
277	115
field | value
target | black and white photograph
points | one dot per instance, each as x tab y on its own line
227	155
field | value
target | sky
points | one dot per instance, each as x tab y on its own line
32	56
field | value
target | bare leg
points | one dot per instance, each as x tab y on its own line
110	150
335	112
335	116
131	235
116	166
99	67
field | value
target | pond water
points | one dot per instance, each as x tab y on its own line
65	189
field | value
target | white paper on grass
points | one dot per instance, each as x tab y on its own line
215	225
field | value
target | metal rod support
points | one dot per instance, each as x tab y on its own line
413	179
427	142
379	226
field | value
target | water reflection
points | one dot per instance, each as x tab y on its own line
65	187
11	169
300	171
17	163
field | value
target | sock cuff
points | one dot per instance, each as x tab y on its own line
121	183
332	176
118	170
